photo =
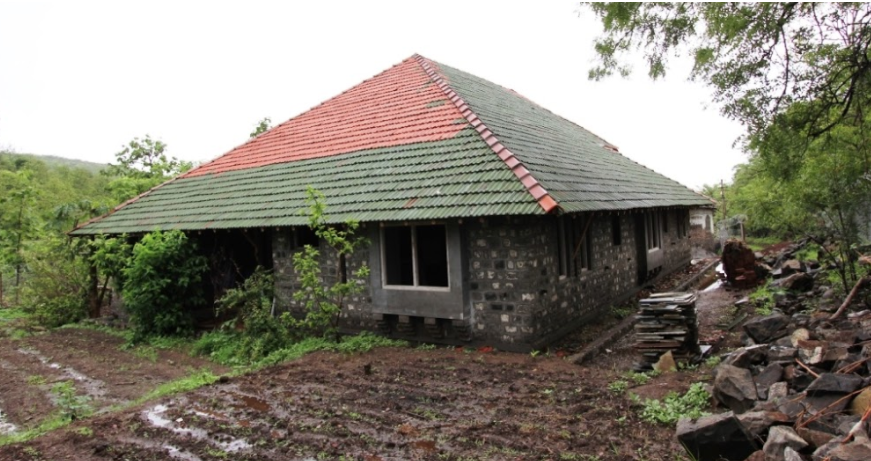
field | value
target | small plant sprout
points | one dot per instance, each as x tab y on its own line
619	386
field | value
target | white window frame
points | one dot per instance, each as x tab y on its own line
414	261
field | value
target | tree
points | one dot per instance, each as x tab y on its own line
17	221
759	58
142	164
262	127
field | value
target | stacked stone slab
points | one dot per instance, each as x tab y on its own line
667	322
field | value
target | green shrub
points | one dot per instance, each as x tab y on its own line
162	283
55	291
324	304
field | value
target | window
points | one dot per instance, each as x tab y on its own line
574	245
653	230
616	231
415	256
664	215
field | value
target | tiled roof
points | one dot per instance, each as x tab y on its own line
419	141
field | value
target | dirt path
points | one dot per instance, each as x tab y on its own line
101	374
388	404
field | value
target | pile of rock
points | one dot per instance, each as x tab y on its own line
799	390
745	269
667	322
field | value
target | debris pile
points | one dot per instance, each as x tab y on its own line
800	389
740	265
667	322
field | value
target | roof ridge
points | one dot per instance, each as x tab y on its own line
538	192
322	103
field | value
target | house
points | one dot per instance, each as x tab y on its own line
491	219
703	217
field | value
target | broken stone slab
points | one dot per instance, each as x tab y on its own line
811	355
800	334
758	422
828	391
813	437
715	438
744	357
778	391
780	438
857	450
734	388
768	328
791	455
791	266
846	422
834	383
767	377
799	282
792	406
781	354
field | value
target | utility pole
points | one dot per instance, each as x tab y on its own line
723	197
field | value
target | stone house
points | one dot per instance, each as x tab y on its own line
491	219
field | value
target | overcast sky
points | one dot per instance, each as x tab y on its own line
80	79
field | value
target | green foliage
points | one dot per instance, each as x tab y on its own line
72	406
57	279
757	57
713	361
162	283
675	406
188	383
222	346
763	298
141	165
619	386
621	312
9	313
324	303
262	127
638	378
255	332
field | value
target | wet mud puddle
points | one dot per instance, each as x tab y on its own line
156	416
93	387
6	427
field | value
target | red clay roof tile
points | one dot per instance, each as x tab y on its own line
383	111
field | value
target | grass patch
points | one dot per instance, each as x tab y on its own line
126	335
8	314
760	243
188	383
54	422
675	406
72	407
763	298
223	347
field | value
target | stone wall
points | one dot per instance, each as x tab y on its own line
356	316
518	298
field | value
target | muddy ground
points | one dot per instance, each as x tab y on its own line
388	404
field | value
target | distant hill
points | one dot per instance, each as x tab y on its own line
56	162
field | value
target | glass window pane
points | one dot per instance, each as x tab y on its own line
398	265
432	256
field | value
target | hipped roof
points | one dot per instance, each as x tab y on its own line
420	141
